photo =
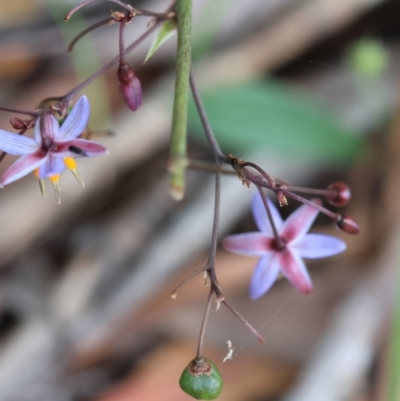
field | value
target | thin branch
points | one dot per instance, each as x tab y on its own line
18	111
244	321
87	30
85	3
214	233
207	167
203	325
212	140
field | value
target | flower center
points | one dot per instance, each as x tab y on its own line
48	144
279	244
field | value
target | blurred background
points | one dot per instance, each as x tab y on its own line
309	89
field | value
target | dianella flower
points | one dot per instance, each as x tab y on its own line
283	254
53	148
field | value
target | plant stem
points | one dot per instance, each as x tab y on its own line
217	152
177	161
244	321
122	41
203	325
214	234
207	167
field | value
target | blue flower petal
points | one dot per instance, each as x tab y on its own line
313	246
294	269
250	244
53	166
265	274
76	121
23	166
16	145
261	217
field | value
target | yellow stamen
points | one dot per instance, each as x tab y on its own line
55	180
41	183
42	187
71	164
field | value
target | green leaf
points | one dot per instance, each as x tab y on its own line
166	31
269	115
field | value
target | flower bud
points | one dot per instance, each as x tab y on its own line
18	124
129	86
342	196
201	380
347	224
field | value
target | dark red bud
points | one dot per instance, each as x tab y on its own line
129	86
347	224
18	124
342	194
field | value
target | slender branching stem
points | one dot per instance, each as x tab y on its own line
122	25
207	167
214	234
204	324
18	111
244	321
186	279
322	209
87	30
212	140
85	3
321	192
270	180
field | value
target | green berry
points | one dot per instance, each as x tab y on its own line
201	380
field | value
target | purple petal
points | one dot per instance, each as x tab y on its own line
299	222
16	145
52	166
314	246
79	148
36	133
250	244
261	217
76	121
48	128
294	269
265	274
23	166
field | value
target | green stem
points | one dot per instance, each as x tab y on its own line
394	353
177	161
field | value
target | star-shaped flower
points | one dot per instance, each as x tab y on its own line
53	147
285	257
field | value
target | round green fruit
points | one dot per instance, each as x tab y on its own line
201	380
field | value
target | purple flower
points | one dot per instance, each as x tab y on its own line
287	256
53	147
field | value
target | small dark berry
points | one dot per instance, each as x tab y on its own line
347	224
342	196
